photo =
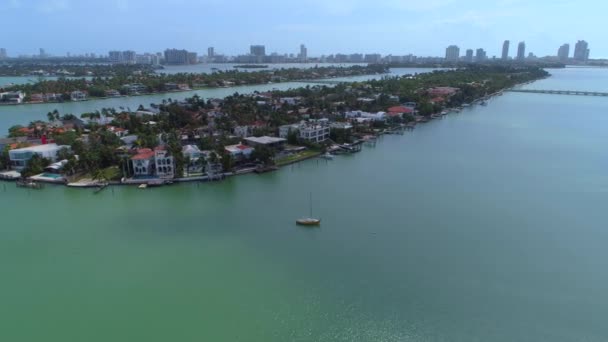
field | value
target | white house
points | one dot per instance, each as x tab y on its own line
193	153
361	114
78	95
14	97
165	165
143	162
314	132
19	157
240	151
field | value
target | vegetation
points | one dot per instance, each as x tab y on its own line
211	123
151	82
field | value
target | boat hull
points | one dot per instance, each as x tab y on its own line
308	222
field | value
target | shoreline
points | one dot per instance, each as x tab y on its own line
185	90
154	182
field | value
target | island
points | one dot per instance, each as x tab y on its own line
209	139
125	82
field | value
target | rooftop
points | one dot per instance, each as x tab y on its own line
265	140
40	148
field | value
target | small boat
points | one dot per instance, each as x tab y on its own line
309	221
327	156
29	184
143	186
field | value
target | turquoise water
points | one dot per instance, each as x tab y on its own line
488	225
51	175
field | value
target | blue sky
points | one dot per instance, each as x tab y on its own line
424	27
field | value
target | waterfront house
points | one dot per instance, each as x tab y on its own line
12	97
112	93
195	157
165	163
143	162
399	111
19	157
134	88
379	116
239	152
315	133
273	142
78	95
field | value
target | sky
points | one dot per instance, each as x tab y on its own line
397	27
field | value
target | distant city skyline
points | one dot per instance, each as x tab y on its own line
325	27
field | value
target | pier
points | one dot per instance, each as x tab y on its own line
559	92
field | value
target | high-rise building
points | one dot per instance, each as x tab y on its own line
210	52
42	53
115	56
303	53
505	50
521	51
581	51
174	56
469	57
258	50
356	58
480	55
452	53
129	57
563	52
192	58
372	58
3	53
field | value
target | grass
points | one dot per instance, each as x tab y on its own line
296	157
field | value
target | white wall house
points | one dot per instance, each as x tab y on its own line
143	163
314	133
19	157
194	154
240	151
360	114
14	97
165	164
78	95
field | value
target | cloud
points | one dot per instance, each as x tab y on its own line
51	6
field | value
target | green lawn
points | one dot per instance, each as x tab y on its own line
296	157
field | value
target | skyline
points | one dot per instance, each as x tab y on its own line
386	26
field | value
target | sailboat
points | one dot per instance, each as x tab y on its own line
309	221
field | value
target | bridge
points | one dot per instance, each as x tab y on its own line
559	92
329	82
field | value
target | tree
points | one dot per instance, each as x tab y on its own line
292	137
263	154
35	165
64	154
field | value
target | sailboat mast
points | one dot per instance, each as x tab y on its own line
310	205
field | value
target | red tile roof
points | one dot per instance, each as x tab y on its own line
400	110
143	154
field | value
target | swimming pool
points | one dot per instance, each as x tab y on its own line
51	175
